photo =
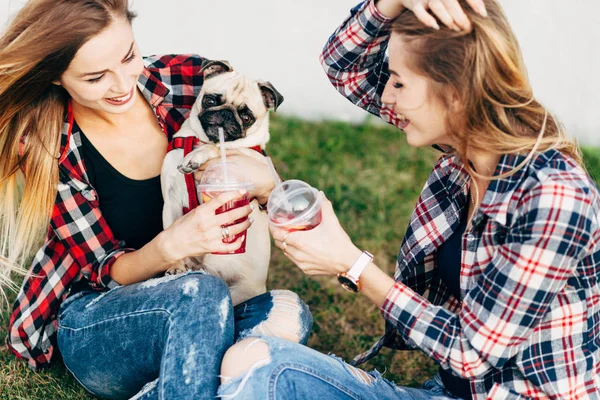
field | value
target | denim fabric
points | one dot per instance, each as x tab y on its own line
167	335
292	371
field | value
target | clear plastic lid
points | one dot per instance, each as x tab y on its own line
222	177
293	202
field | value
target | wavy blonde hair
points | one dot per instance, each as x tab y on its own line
484	69
35	50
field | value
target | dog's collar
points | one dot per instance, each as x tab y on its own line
179	143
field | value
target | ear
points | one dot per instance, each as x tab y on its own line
212	68
271	96
455	105
57	83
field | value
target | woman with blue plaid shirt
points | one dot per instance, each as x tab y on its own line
84	126
497	279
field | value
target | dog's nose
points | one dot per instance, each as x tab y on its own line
211	120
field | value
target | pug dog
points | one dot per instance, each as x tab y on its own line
240	106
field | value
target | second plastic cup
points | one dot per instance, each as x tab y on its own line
294	205
223	177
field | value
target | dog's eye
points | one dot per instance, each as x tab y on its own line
209	101
246	119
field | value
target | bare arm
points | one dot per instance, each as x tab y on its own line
142	264
194	234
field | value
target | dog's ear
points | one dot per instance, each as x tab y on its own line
212	68
271	96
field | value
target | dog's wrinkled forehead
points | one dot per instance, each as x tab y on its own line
238	90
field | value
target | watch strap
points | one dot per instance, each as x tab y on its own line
359	265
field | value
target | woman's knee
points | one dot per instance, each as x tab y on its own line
192	298
289	318
244	357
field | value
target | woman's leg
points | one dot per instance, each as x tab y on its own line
278	313
171	332
271	368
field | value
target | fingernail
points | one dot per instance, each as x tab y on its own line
252	206
456	28
435	26
242	191
251	220
482	10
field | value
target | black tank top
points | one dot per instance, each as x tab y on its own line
448	260
132	208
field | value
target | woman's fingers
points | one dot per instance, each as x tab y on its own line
449	12
224	198
229	247
233	215
458	15
479	6
235	229
425	17
439	9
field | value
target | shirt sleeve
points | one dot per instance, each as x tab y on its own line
355	62
525	278
78	243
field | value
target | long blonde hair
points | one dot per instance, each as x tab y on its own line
35	50
484	68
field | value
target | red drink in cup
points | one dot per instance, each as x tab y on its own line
217	180
294	206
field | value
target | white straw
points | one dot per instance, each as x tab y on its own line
274	173
223	155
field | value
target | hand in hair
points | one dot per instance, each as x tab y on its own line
449	12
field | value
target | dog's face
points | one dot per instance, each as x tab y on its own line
234	102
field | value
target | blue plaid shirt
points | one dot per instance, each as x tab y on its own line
529	322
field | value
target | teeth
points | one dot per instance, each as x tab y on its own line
122	98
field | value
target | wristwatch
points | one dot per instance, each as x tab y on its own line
350	280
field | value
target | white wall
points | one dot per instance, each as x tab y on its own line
280	41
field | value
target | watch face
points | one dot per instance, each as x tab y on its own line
347	283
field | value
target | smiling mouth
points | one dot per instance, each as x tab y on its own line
404	122
122	99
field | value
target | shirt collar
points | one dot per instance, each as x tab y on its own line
499	192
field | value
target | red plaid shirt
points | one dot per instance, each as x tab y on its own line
529	322
79	244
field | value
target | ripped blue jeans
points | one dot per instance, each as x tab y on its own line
165	338
284	370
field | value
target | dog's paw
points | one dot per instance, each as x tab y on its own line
178	269
188	166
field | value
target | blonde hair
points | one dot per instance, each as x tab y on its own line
35	50
484	68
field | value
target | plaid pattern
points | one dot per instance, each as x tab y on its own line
79	244
528	323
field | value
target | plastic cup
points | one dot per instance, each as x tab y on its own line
223	177
294	205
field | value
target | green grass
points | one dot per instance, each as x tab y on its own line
373	179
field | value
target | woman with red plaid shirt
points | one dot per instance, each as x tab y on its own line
498	276
84	127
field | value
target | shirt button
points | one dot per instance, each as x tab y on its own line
88	195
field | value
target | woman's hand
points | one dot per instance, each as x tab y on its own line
324	250
447	11
259	173
201	231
